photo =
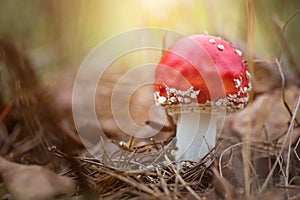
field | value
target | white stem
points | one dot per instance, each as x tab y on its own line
196	135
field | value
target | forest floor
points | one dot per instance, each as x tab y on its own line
43	157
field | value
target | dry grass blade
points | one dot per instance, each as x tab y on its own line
284	45
283	90
290	18
295	149
287	136
249	55
289	132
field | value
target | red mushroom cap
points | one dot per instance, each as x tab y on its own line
201	72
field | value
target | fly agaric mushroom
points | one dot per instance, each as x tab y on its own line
197	79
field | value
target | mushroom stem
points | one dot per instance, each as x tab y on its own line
196	134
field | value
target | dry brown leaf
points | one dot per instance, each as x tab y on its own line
266	76
34	182
266	112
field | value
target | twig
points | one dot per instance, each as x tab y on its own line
130	143
283	89
180	179
278	23
163	182
129	181
222	154
291	17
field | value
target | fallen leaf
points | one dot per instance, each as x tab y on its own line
27	182
267	118
266	76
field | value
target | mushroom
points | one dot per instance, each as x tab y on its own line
198	80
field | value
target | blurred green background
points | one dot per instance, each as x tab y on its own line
61	33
